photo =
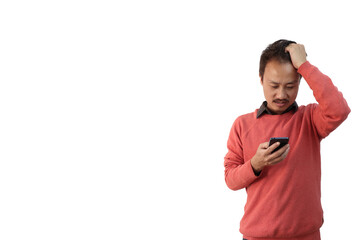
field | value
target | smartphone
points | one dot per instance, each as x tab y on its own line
283	141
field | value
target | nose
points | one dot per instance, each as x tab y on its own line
281	94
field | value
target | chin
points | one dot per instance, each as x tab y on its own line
278	110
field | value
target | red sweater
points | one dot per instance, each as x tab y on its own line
284	201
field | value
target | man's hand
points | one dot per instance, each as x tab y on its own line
263	156
297	54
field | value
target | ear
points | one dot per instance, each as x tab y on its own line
300	78
261	80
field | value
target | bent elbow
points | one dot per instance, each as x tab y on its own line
343	114
347	112
231	185
344	111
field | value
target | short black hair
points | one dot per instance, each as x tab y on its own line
275	51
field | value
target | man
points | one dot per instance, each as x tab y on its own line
283	187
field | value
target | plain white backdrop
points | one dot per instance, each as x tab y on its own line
114	115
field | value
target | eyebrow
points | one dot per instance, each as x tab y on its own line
277	83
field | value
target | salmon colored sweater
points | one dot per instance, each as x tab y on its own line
283	202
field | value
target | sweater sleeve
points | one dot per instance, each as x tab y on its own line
238	173
332	109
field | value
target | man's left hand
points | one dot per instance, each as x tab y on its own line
297	54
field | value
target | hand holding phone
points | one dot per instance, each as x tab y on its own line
269	155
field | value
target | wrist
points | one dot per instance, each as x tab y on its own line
301	63
257	169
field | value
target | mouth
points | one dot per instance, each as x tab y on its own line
281	103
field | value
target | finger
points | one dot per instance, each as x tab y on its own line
286	151
289	47
279	158
264	145
272	148
280	151
276	161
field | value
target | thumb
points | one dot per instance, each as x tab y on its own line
264	145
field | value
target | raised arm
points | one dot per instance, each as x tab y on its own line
332	109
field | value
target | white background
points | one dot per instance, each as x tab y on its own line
114	115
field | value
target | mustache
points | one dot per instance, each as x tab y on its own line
281	100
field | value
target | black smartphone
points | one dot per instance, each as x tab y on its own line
283	141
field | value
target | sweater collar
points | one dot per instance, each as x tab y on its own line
264	109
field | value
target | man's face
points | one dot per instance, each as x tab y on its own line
280	84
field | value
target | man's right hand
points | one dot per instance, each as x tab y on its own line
263	156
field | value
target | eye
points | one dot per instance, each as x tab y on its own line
290	87
274	87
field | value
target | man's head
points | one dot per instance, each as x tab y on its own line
278	76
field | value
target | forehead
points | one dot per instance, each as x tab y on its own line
276	71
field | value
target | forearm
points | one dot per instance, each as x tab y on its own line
332	109
239	176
